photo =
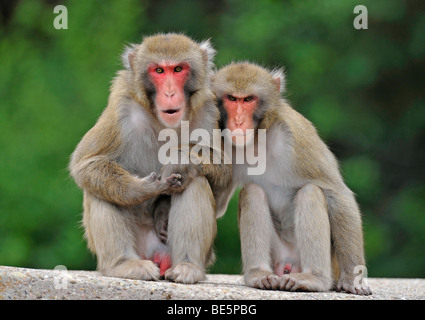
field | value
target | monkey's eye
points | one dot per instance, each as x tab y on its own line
159	70
178	69
231	98
248	99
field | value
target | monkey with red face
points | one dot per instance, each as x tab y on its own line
298	219
165	82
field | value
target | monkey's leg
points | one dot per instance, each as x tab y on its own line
347	237
191	231
256	232
313	240
112	235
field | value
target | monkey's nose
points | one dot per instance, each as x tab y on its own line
169	94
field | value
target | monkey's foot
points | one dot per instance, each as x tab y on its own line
134	269
303	282
185	273
262	279
350	286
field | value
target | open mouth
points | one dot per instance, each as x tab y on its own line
171	116
171	111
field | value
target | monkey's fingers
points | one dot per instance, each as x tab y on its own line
273	282
285	283
185	273
360	289
364	291
163	235
266	282
163	232
295	282
174	180
152	176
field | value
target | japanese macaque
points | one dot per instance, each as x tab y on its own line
166	81
300	225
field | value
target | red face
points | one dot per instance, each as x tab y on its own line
169	80
240	111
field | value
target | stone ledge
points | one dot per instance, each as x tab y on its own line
35	284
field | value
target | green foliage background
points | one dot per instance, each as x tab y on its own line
363	89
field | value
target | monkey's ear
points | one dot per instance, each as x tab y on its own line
128	56
208	51
278	76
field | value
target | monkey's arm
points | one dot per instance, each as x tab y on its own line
107	180
94	169
218	175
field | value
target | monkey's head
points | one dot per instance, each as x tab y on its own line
168	69
244	92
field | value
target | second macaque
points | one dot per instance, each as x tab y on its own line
298	218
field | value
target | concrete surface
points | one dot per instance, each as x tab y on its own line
29	284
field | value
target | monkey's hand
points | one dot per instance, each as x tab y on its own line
160	217
164	185
161	227
186	173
